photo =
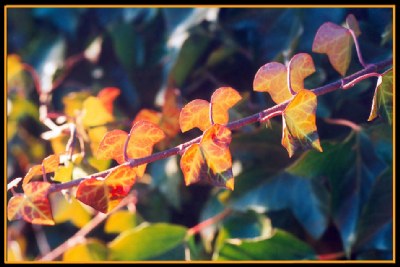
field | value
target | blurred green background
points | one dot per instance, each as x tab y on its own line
318	203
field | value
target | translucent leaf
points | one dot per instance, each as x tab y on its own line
69	210
63	173
221	101
107	97
336	42
299	127
104	194
120	221
90	250
195	114
148	115
272	77
95	113
144	135
170	112
96	134
73	102
149	242
210	161
49	164
14	66
34	206
382	103
112	146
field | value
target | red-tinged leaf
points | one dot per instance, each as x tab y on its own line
34	206
148	115
107	97
210	161
272	78
382	103
143	136
120	181
221	101
336	42
104	194
195	114
299	123
352	24
94	192
112	146
35	170
51	163
301	66
14	207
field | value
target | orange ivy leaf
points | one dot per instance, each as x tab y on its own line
148	115
299	127
301	66
143	136
221	101
49	164
34	206
210	161
112	146
336	41
272	77
103	194
196	114
107	97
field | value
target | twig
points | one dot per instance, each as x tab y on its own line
210	221
258	117
80	235
360	58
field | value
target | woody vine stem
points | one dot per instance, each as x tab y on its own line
264	115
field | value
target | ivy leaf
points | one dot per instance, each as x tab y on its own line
95	113
63	173
281	246
149	242
335	41
197	112
69	210
210	160
73	102
49	164
14	66
382	103
148	115
352	24
34	206
107	97
104	194
299	127
120	221
272	77
144	135
221	101
112	146
90	250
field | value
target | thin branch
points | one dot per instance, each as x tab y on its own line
359	79
81	234
344	122
359	55
288	77
210	221
41	239
258	117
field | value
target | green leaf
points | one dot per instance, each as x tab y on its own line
377	212
149	242
382	103
287	191
281	246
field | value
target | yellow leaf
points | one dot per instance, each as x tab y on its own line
90	250
14	66
120	221
95	113
63	173
299	123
